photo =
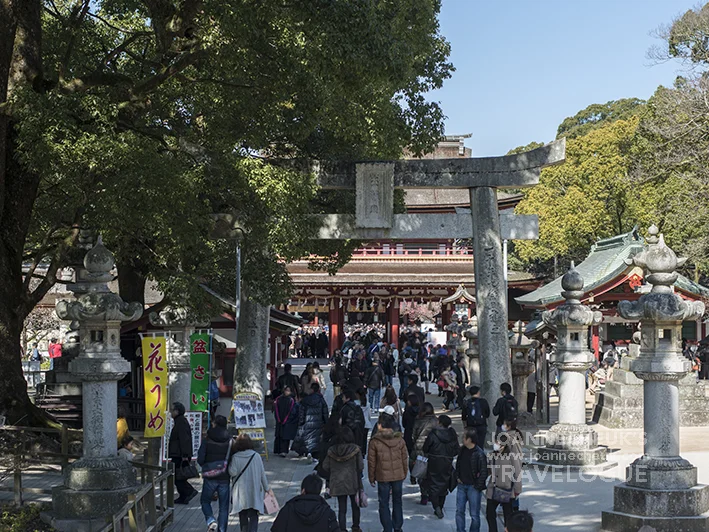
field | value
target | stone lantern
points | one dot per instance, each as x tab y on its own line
473	350
571	442
522	367
661	489
99	483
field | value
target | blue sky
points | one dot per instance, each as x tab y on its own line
522	66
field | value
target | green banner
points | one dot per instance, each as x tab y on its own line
200	351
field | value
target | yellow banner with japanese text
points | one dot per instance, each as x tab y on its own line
155	385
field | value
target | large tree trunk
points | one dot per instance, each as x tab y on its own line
252	353
20	34
131	283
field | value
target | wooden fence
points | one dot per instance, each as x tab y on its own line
150	509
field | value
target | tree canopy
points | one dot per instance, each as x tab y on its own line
140	118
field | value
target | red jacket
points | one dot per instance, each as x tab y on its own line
55	350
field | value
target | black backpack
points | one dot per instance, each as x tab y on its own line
474	413
509	408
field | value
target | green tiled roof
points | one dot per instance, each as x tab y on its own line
605	263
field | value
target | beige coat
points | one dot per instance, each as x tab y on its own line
505	472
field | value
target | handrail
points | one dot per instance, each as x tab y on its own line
141	510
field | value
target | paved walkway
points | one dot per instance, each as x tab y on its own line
559	502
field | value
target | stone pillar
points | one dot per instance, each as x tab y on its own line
661	489
570	442
522	368
490	294
99	483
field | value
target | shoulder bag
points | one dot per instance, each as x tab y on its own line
221	467
501	495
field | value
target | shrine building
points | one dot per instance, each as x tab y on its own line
608	279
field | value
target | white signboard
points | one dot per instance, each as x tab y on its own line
248	411
195	421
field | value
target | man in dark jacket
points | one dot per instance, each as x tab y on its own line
506	407
374	380
351	416
288	379
414	389
441	447
308	512
475	414
179	450
461	380
471	472
213	454
359	365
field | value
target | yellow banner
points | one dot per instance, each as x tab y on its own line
155	385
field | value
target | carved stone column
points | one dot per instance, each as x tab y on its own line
181	325
473	351
572	443
522	368
98	484
661	489
490	294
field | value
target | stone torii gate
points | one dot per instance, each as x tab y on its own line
375	182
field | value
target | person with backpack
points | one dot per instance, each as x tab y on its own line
343	465
373	380
352	416
338	376
471	473
213	457
475	414
506	406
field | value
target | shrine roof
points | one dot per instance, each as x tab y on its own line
604	265
398	272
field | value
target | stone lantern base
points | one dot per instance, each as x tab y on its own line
572	447
665	510
93	489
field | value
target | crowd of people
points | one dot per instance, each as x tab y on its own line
373	432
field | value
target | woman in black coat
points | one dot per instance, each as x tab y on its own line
285	410
441	447
312	416
408	420
179	450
